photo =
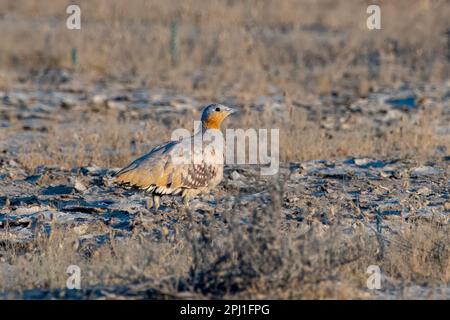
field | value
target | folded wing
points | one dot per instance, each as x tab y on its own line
160	171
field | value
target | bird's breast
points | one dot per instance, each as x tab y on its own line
203	175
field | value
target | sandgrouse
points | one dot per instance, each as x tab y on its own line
185	167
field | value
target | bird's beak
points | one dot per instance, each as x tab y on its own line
231	110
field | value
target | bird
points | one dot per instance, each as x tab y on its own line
171	168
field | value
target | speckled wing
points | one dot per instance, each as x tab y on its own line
159	171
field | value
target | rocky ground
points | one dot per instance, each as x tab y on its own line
378	194
324	191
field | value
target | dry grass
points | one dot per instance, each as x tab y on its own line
420	253
233	47
265	258
110	139
211	51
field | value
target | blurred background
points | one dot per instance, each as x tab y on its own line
228	47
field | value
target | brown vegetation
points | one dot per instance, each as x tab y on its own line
315	59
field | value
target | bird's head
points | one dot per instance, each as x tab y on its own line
214	114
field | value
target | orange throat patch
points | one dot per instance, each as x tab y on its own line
214	121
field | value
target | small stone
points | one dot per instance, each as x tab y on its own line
81	229
424	191
32	209
235	175
68	103
425	171
79	185
115	105
362	162
12	163
99	99
369	163
384	174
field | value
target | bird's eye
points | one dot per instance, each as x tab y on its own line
217	109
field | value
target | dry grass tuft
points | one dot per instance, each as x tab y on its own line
259	258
